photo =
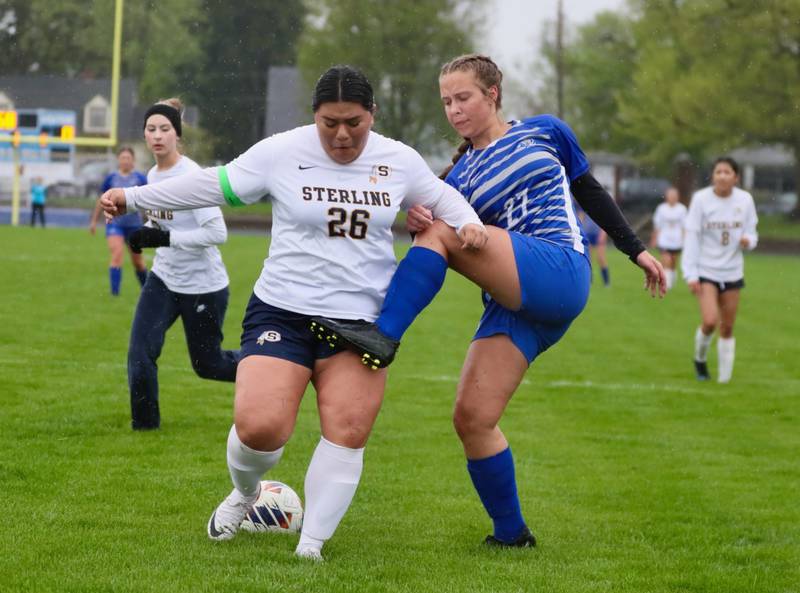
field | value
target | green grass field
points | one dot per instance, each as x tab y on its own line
633	476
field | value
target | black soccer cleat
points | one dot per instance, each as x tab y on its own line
523	540
377	350
701	371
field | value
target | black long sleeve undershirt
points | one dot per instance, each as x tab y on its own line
602	208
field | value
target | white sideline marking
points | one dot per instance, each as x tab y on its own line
657	387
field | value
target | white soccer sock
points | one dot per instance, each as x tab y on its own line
247	465
670	278
701	344
726	352
331	482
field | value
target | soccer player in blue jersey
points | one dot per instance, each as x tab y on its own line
119	230
520	177
596	237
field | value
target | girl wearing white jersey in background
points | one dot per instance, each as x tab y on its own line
668	221
187	279
336	188
721	223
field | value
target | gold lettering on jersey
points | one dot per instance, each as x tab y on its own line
347	196
722	225
159	214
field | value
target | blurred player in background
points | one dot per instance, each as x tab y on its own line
668	222
336	188
596	237
720	225
188	278
521	177
118	231
38	199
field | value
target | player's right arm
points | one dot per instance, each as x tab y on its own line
240	182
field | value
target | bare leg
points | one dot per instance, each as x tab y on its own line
492	371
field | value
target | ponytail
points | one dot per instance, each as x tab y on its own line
460	151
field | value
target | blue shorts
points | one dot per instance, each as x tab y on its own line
591	231
270	331
555	282
114	229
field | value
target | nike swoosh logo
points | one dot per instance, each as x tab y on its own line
212	528
302	168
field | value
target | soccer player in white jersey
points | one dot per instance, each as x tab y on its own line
187	280
521	177
336	188
668	221
720	225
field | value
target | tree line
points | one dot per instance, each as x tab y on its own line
668	78
216	54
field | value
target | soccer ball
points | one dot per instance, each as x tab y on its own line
278	508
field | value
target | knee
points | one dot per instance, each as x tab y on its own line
205	369
436	237
262	434
725	330
709	324
348	430
468	420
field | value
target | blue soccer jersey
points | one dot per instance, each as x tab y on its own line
132	179
521	181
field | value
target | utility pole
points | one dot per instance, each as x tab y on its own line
560	59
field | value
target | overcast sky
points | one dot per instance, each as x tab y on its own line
515	25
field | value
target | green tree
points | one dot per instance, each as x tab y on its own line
400	46
240	41
74	38
599	68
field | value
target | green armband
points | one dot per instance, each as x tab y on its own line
227	191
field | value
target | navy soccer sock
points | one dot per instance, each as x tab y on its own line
115	275
142	276
415	282
494	480
606	276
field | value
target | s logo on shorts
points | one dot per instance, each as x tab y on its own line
268	336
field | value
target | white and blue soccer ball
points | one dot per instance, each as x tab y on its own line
278	509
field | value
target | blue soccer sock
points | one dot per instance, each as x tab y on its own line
494	480
115	275
142	276
415	282
606	276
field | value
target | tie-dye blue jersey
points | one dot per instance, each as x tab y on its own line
521	181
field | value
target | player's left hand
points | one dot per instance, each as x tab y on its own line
418	219
113	203
655	280
473	236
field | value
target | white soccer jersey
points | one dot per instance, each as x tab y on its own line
714	228
668	220
332	248
192	264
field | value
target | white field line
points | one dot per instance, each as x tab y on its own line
561	384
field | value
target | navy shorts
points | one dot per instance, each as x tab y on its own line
555	281
270	331
724	286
